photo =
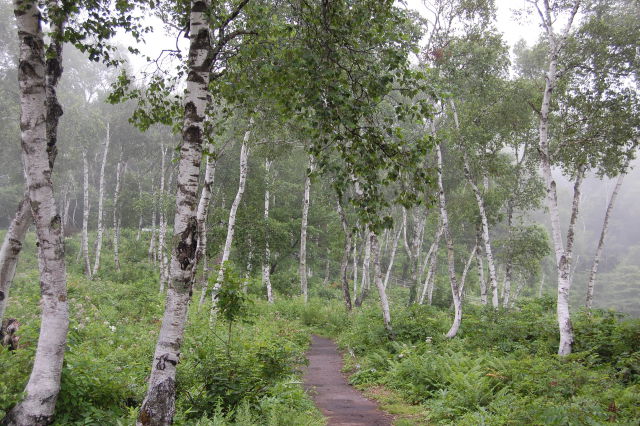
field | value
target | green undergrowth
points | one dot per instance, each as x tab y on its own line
246	374
501	369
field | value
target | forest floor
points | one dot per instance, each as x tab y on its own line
340	402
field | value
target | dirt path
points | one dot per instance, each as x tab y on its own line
341	403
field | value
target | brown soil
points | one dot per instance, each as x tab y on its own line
341	403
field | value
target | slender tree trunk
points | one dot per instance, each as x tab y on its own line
139	233
431	259
152	239
394	248
266	262
377	272
202	216
348	237
603	234
355	265
366	261
163	224
40	394
116	216
563	258
231	225
302	267
493	280
85	216
455	291
467	265
10	250
413	251
96	264
158	407
431	280
483	283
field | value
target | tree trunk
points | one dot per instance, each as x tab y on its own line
116	217
158	407
231	225
85	216
394	248
204	203
266	263
466	271
162	260
42	389
10	250
563	258
483	283
302	267
413	251
152	239
377	272
431	259
364	283
96	264
455	291
355	265
348	237
603	233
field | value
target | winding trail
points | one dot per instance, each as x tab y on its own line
341	403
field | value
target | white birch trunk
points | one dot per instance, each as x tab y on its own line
116	217
11	248
480	265
40	394
96	263
348	238
394	248
563	258
162	260
85	216
152	239
431	259
355	266
455	291
467	265
158	407
231	225
302	267
366	263
603	234
266	263
377	272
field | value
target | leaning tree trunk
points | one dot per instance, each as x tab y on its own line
85	216
37	406
96	263
603	233
158	407
377	272
455	291
266	262
10	250
116	216
348	238
231	224
394	248
302	267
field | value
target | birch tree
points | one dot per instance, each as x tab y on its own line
120	170
100	231
266	262
85	216
37	406
302	267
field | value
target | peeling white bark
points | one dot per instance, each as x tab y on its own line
42	389
603	234
96	263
